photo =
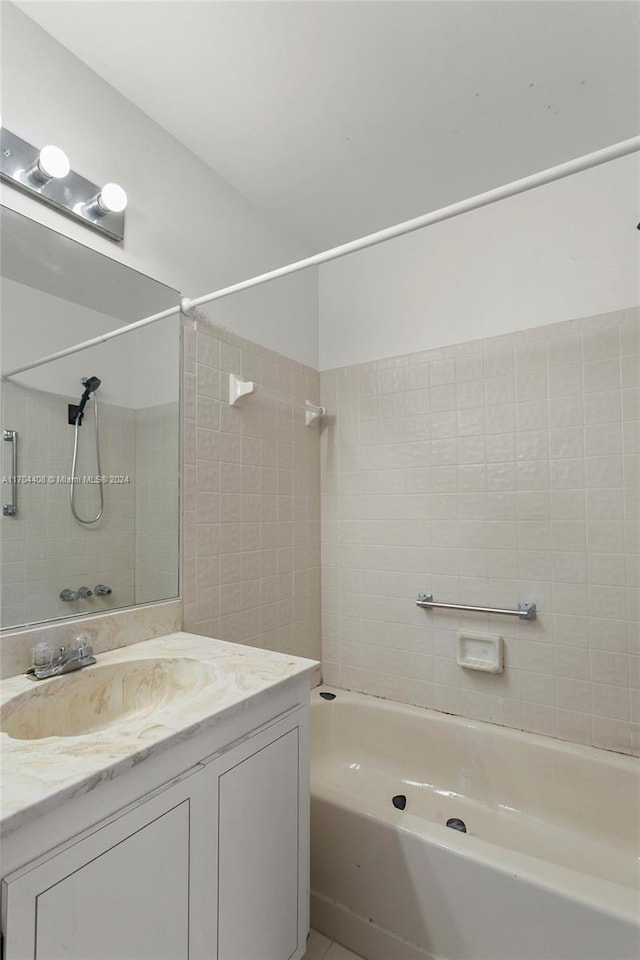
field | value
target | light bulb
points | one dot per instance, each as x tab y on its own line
52	163
112	198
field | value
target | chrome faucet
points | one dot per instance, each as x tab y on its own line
79	656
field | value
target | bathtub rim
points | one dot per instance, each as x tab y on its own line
619	901
624	760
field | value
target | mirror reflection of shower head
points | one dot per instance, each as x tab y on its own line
76	414
90	385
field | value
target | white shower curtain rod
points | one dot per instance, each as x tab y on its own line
595	159
94	342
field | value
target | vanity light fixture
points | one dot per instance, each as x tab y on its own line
46	175
52	163
111	199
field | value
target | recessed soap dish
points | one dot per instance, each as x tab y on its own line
480	651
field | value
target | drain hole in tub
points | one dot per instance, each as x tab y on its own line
399	801
328	696
456	824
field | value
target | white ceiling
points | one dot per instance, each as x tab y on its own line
339	118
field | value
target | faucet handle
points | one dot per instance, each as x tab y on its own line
82	644
42	654
84	592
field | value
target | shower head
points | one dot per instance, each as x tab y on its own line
90	384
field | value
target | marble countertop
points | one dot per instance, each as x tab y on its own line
38	774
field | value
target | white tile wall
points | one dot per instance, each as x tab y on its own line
157	502
133	548
44	549
251	496
489	473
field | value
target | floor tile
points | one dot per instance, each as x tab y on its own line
336	952
317	946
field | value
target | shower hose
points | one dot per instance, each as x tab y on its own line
74	464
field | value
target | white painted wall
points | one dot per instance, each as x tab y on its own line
186	226
567	250
562	251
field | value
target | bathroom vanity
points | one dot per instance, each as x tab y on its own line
167	817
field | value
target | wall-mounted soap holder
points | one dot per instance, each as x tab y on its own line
480	651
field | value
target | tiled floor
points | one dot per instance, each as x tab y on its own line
320	948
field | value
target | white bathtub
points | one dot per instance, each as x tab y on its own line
548	868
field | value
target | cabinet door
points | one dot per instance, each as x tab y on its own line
120	892
263	831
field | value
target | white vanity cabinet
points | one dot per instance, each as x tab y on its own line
121	890
212	866
262	877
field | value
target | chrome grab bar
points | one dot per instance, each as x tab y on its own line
525	611
10	509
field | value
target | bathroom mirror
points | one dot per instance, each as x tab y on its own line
78	535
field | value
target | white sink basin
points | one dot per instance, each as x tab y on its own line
102	696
